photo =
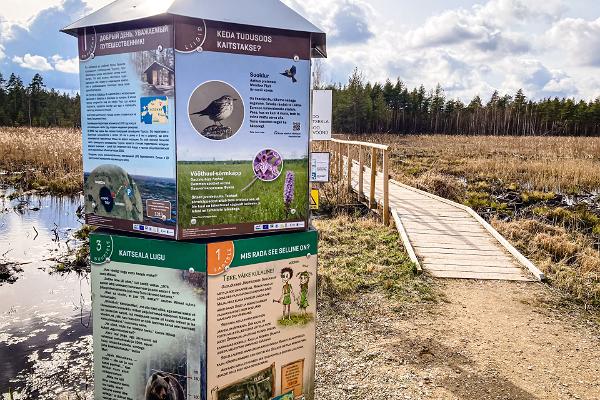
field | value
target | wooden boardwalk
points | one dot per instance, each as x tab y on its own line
447	239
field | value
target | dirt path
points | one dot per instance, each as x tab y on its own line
486	340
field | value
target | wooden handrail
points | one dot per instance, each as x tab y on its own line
366	144
343	148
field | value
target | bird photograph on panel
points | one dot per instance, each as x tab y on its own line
216	110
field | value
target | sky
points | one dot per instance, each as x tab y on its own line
546	47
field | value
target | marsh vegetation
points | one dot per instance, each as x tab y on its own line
542	193
41	160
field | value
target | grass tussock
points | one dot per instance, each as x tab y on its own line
443	185
360	255
296	319
567	257
47	160
77	259
540	192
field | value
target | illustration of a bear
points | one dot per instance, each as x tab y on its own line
163	386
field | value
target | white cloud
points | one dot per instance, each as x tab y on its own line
520	11
495	45
578	37
34	62
537	80
345	21
21	12
69	66
2	53
484	28
93	5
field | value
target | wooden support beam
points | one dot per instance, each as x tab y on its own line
349	169
386	188
407	244
361	168
372	202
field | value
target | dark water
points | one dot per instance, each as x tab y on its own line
45	332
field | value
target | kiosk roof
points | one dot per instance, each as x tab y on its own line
265	13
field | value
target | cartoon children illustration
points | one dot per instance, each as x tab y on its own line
287	292
303	299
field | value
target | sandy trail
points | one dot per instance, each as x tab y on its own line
486	340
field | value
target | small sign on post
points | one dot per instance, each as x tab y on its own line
322	108
319	167
314	199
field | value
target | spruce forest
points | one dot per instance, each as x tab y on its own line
360	107
36	105
364	107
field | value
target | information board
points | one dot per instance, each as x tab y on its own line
197	129
242	128
262	312
204	321
322	109
149	317
127	114
319	166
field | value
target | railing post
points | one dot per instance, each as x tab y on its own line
361	167
349	171
372	202
386	192
340	162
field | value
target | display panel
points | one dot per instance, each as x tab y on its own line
242	128
149	316
127	115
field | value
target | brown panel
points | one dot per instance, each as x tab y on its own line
94	43
203	35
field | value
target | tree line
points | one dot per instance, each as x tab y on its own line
363	107
35	105
358	107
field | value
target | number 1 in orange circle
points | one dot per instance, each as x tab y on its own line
219	257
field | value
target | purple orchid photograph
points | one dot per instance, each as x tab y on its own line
268	165
289	188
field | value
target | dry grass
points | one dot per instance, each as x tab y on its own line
562	164
568	258
515	182
48	160
358	254
442	185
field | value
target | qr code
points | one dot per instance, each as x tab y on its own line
296	126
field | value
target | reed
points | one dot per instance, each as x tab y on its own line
561	164
47	160
564	241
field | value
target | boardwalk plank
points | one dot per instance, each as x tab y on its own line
450	242
474	269
479	276
462	265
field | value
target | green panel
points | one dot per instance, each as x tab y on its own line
276	247
151	252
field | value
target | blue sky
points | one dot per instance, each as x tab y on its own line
546	47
